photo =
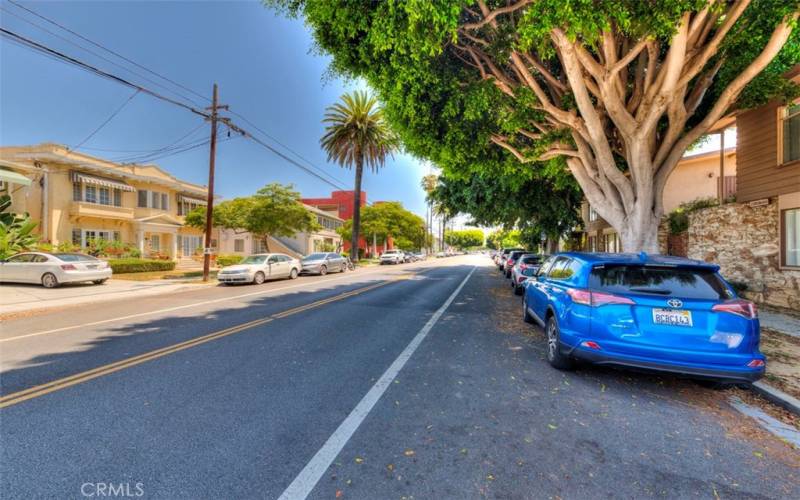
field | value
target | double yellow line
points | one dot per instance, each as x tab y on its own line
79	378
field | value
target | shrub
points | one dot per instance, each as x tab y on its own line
679	218
228	259
68	247
140	265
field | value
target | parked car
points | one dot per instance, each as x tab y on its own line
439	255
503	258
392	257
511	260
258	268
525	267
644	312
323	263
53	269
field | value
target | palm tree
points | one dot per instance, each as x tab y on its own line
357	134
428	184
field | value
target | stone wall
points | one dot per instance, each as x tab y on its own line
744	241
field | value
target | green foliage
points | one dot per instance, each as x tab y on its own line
412	53
389	219
228	259
678	219
275	210
130	265
467	238
357	133
503	238
16	230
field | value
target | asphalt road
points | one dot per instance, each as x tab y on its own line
417	381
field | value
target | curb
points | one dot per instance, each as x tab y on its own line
776	396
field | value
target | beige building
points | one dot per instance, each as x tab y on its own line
76	197
302	243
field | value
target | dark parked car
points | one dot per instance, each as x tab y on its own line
500	259
645	312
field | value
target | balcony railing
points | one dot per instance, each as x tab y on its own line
88	209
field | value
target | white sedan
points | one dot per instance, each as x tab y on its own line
259	268
53	269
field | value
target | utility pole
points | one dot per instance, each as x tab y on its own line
210	205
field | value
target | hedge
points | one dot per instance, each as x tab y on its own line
228	259
119	266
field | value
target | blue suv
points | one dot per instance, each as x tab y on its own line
644	312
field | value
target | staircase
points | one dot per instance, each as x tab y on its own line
188	264
283	246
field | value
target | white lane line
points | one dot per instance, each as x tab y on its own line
177	308
305	481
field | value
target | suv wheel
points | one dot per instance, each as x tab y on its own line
526	316
554	356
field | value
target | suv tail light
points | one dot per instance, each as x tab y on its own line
510	262
742	307
596	299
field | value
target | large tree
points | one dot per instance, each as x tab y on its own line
356	135
614	92
390	220
275	210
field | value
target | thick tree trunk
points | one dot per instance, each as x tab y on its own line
356	209
266	243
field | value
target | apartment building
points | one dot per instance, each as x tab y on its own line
77	197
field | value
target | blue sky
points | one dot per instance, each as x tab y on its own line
263	63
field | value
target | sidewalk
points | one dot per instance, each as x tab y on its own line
780	342
780	322
19	299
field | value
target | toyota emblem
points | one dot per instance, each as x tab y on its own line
674	303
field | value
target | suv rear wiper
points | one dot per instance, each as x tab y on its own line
658	291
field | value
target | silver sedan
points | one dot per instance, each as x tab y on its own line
259	268
53	269
323	262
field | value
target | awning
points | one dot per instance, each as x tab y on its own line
101	181
190	199
13	177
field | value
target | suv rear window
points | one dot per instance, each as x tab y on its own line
531	259
684	282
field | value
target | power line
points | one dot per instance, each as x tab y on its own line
189	99
38	47
109	50
27	42
115	113
298	155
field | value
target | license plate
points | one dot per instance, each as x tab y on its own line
672	317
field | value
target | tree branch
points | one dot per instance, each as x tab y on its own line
489	16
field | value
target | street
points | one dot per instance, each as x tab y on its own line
390	382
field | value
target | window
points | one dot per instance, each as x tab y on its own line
592	214
273	259
258	246
76	192
105	196
91	194
238	245
563	269
790	237
592	244
790	130
142	199
76	236
155	242
698	283
117	197
155	199
164	201
26	257
546	266
612	244
117	236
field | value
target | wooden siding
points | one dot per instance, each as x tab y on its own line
758	172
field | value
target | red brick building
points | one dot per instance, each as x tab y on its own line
341	203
